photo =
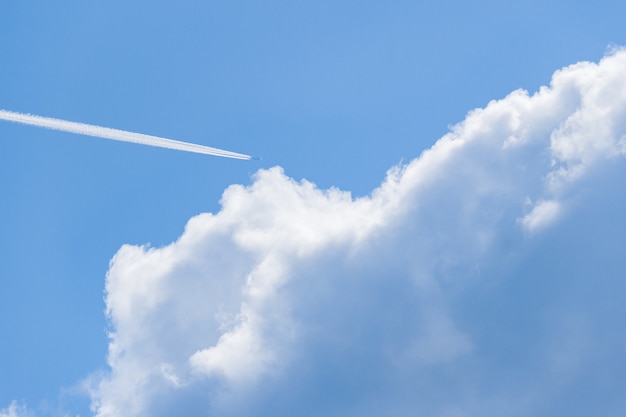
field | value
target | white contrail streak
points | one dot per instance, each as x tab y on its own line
115	134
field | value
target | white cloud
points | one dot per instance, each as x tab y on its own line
293	298
14	410
542	214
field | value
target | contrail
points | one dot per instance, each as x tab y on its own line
115	134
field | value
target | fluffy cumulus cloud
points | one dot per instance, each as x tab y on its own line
481	279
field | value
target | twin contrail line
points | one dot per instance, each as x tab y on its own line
115	134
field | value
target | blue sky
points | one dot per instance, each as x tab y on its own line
336	93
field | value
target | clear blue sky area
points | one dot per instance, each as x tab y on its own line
335	92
